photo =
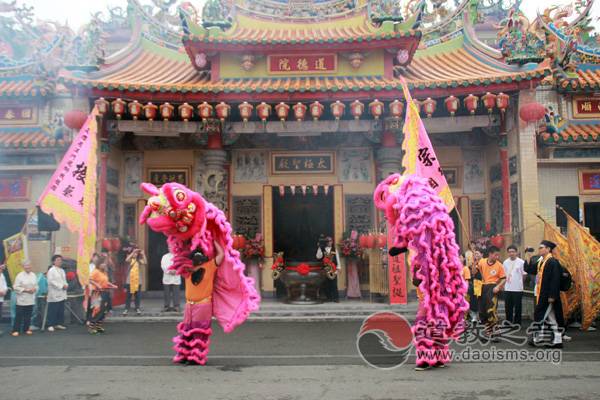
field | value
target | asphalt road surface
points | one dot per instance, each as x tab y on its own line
272	361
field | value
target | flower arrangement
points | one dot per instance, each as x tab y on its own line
254	247
278	265
350	246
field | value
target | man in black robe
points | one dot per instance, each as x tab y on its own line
326	250
548	312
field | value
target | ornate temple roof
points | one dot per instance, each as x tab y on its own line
579	133
28	138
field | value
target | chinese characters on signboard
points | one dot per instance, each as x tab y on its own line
302	64
14	188
585	107
17	115
160	177
302	164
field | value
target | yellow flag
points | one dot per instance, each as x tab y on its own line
585	252
570	299
14	251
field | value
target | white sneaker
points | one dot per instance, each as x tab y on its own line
592	329
60	327
567	338
34	328
575	325
50	329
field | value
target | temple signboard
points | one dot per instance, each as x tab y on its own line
300	163
302	63
159	177
17	115
586	107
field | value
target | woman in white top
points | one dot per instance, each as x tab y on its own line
25	287
3	289
57	294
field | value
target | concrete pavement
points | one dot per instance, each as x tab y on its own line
275	360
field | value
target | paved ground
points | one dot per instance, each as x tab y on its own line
274	360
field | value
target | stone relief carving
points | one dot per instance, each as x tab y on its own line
212	177
250	166
133	174
355	165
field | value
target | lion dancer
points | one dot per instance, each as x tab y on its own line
420	222
192	342
199	237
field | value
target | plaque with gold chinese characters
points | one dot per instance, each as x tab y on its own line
586	107
17	115
159	177
302	163
301	64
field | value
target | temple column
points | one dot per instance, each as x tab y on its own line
211	173
528	176
104	149
503	143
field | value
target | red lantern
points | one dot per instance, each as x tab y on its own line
205	111
382	242
116	244
245	111
263	110
451	105
316	110
376	108
223	111
118	107
502	101
282	110
102	105
429	106
107	244
186	112
299	111
356	109
489	101
135	109
532	112
371	241
166	111
362	241
150	111
337	109
75	119
497	240
471	102
396	109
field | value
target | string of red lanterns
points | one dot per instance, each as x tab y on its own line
376	108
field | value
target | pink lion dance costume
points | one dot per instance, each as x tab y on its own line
419	220
191	223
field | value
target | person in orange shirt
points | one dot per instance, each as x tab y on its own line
97	298
466	274
192	343
493	279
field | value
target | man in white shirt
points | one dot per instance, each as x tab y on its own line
94	262
3	290
171	282
25	286
57	294
513	289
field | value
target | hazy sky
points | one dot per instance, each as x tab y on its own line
77	12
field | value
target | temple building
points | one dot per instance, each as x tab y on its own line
286	114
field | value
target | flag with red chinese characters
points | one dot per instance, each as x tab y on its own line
71	192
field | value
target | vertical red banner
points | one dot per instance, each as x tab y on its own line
397	275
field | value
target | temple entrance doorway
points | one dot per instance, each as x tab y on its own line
298	220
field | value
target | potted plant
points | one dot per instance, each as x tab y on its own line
253	252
